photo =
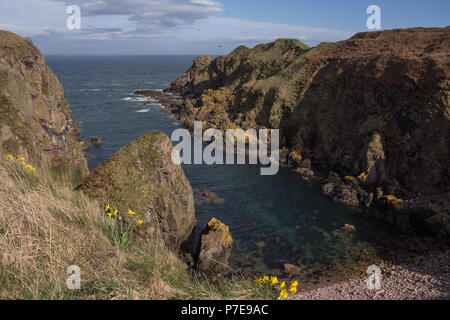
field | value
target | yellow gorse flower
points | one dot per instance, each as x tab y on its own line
131	212
10	156
140	222
274	280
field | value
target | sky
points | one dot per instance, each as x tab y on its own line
141	27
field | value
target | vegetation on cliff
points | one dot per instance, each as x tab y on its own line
117	227
45	227
35	119
375	107
143	178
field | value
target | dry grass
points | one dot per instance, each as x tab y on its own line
45	227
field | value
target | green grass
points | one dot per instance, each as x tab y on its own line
45	227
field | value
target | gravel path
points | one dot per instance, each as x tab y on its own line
424	278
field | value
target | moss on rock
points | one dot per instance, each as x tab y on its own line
142	177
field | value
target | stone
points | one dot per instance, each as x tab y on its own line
215	249
35	119
96	141
142	177
292	269
341	193
260	244
349	227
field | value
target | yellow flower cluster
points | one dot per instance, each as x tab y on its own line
279	286
362	177
23	163
114	213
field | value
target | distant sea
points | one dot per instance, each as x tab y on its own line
274	220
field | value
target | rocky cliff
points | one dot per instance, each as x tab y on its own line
141	177
35	119
369	116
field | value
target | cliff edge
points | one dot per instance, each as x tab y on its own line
369	117
35	119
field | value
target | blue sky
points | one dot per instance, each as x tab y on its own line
203	26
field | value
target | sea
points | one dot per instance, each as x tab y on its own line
275	221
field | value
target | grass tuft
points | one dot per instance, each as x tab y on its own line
46	226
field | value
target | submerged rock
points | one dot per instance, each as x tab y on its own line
207	197
292	269
142	177
215	249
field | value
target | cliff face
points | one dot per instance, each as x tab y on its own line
35	119
374	108
141	177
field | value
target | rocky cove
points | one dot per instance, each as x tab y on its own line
281	225
362	139
358	153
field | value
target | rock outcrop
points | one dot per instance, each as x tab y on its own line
35	119
375	109
215	250
141	177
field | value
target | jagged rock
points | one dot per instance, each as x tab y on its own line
375	106
142	177
260	244
375	169
341	193
349	227
439	224
215	249
207	197
306	164
292	269
196	78
35	120
96	141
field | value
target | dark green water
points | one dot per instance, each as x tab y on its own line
274	220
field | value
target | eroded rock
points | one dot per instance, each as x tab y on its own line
35	119
142	177
215	249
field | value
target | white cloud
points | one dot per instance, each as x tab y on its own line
151	15
162	26
220	29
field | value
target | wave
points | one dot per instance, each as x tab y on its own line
156	105
134	99
143	110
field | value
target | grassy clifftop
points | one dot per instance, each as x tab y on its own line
45	227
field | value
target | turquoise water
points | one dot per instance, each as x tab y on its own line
274	220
